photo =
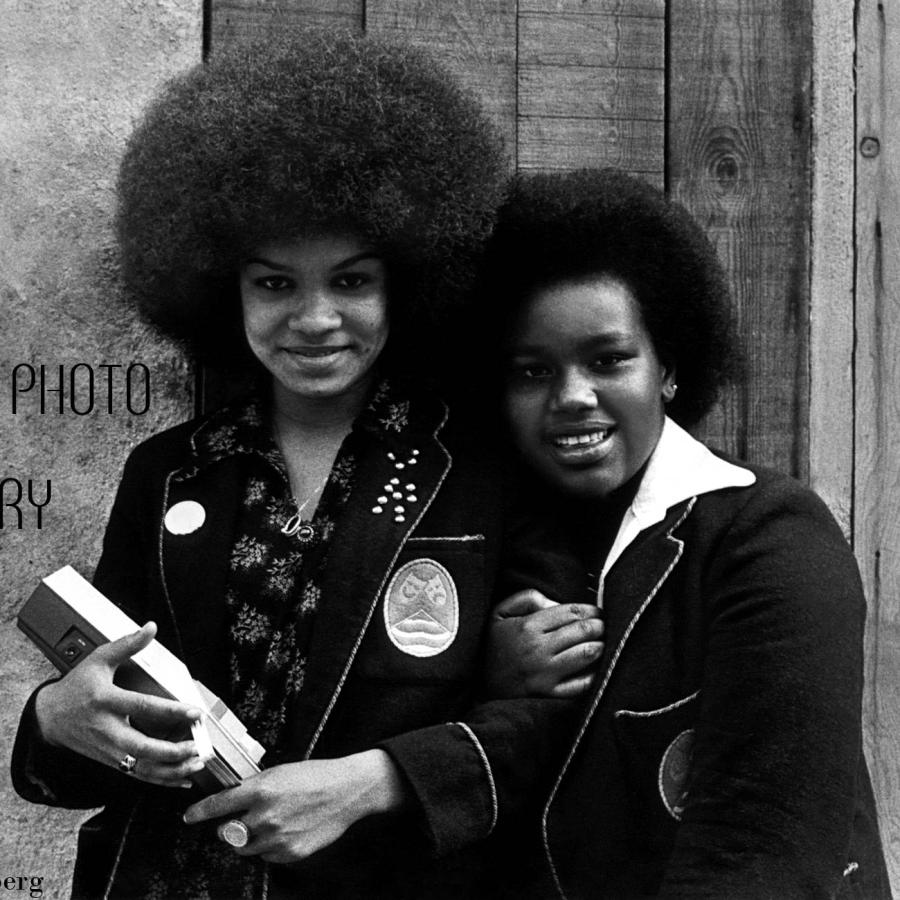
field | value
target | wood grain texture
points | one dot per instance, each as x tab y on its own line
475	39
565	143
877	469
592	92
236	21
738	158
591	87
608	39
831	260
636	8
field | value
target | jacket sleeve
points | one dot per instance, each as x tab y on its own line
42	773
493	766
486	769
777	747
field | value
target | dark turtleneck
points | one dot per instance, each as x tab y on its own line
558	544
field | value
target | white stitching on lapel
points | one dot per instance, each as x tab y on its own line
597	697
388	569
162	568
115	866
640	714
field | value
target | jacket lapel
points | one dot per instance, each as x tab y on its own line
192	570
361	558
636	578
632	584
363	552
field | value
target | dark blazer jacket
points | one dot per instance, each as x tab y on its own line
361	689
720	754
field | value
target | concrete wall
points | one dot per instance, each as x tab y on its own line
75	73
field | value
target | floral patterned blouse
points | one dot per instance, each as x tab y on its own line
275	570
273	596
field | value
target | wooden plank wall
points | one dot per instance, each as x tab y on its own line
713	99
738	158
876	513
568	83
831	259
591	85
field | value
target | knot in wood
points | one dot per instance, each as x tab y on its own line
725	161
726	171
870	147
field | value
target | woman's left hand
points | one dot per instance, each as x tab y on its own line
295	809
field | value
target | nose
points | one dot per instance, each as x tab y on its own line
574	390
313	312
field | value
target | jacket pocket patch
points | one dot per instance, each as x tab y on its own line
421	608
673	773
655	750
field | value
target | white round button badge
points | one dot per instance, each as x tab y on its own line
185	517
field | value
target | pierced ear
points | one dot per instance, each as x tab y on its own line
669	387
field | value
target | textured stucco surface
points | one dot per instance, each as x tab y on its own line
73	76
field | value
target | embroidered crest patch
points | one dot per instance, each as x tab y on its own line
673	773
421	608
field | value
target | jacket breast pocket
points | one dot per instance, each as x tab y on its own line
655	748
431	614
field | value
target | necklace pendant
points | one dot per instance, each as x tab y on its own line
292	526
296	527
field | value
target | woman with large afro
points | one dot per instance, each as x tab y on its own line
719	753
303	213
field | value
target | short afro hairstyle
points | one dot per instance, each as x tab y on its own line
307	134
560	227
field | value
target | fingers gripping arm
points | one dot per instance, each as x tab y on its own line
540	648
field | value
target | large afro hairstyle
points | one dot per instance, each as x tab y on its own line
560	227
317	132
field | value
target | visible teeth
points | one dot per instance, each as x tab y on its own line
315	352
578	440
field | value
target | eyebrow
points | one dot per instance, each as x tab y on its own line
352	260
587	343
343	264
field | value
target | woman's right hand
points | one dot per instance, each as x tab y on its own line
86	712
537	647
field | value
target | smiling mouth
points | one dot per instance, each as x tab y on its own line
313	352
587	439
582	448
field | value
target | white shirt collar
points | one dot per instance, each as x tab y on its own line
679	468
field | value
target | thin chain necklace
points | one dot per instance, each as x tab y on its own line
295	526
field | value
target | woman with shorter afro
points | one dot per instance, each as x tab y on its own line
320	552
719	752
